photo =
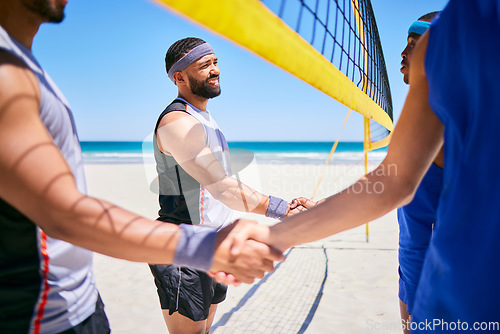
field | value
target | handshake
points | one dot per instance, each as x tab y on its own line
246	250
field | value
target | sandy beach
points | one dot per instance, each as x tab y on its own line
341	284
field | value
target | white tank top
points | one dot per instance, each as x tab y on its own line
67	294
202	208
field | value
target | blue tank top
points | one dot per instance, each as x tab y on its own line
46	285
460	277
416	222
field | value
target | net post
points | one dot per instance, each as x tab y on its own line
366	148
334	147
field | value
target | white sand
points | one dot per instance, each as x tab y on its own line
359	294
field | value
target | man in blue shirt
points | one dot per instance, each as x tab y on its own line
453	95
416	219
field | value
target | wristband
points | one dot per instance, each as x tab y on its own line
195	247
277	208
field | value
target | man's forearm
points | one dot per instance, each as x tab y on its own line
105	228
238	196
369	198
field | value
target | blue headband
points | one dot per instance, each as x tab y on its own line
419	27
189	58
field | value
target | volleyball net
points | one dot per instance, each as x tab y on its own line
333	45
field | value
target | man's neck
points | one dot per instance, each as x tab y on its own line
195	100
19	22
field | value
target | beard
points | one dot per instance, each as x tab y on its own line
203	88
53	14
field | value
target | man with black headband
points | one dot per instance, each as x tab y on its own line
416	219
196	186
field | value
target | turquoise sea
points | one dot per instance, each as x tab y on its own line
265	152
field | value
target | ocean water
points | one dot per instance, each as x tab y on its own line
264	152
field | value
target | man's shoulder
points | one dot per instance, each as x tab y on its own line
10	62
175	105
173	112
15	76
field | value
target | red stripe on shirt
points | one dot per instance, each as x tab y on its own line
202	203
45	292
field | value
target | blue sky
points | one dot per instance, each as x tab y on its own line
108	59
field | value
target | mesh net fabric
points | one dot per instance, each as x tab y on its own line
344	32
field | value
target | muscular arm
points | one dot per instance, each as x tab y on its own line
36	180
180	135
415	142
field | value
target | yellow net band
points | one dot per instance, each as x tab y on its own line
253	26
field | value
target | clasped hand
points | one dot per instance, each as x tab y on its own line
243	252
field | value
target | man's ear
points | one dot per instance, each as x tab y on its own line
179	77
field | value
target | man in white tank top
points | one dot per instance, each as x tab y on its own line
46	219
196	186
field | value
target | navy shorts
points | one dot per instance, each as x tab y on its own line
188	291
97	323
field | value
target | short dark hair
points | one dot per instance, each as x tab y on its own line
177	50
428	17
